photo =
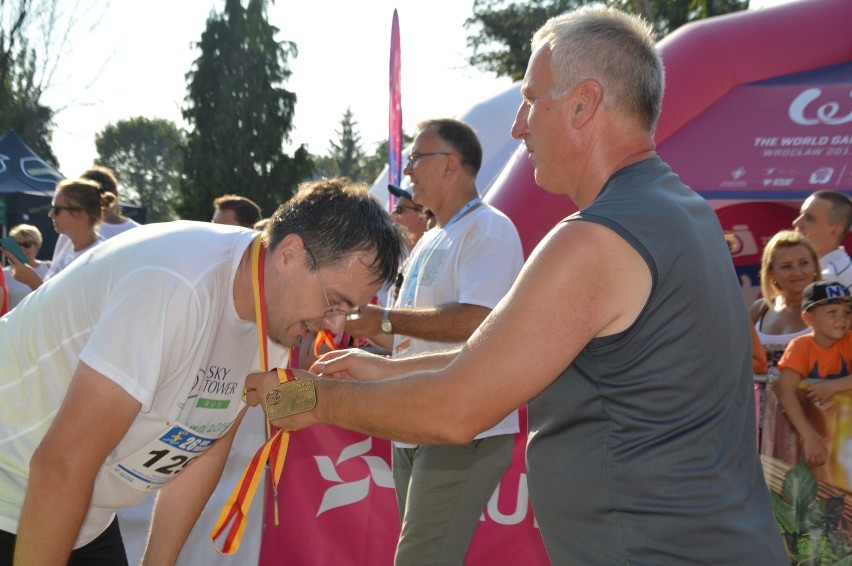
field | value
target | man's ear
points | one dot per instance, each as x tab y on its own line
289	249
587	97
837	231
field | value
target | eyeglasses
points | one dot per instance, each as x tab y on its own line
27	245
332	316
57	209
412	158
400	207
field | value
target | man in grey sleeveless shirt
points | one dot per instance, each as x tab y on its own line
641	413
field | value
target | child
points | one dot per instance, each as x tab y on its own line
826	354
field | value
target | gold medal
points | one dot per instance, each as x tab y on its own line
290	398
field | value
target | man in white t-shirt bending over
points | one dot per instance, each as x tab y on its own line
825	219
129	365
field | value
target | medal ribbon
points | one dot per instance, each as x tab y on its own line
235	511
326	337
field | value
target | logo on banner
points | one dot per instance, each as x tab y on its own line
744	242
826	113
346	493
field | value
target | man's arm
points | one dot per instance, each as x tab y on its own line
364	366
95	415
181	501
566	295
452	322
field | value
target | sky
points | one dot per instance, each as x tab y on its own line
125	59
129	59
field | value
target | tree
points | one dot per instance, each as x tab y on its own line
240	115
146	156
34	36
345	157
501	30
20	87
500	40
372	165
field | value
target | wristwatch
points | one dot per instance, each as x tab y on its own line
387	327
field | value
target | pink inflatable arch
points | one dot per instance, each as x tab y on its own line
751	68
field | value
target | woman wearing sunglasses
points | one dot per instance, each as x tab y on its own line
76	211
30	239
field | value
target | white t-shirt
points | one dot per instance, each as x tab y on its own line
836	266
106	231
65	259
474	260
18	290
154	313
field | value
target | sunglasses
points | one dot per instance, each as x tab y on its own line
57	209
400	207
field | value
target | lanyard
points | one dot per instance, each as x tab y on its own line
275	449
429	248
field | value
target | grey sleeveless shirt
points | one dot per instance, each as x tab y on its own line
643	451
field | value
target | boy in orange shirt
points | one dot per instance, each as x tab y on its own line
825	354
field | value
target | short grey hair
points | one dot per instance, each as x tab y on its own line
615	49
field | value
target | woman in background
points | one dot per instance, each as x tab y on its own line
76	211
30	239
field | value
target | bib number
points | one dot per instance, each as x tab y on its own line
162	459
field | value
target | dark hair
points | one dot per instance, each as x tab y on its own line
246	210
461	137
88	195
103	176
840	213
335	217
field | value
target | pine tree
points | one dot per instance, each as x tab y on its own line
240	115
345	155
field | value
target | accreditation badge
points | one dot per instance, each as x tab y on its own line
162	459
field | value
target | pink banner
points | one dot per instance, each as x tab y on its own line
337	506
395	107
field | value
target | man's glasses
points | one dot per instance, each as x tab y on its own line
400	207
413	157
57	209
27	245
332	316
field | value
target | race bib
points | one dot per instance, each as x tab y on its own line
162	459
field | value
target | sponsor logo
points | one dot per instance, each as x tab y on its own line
829	113
346	493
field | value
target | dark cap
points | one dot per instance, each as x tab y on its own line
824	293
399	193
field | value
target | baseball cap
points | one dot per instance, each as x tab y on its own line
824	293
399	193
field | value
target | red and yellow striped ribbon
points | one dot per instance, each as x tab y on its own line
235	511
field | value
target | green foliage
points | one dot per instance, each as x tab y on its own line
501	30
240	115
813	529
346	154
20	106
500	40
146	156
373	164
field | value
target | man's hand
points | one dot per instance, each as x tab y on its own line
368	324
257	384
353	364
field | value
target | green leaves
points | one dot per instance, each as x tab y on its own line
813	528
240	115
